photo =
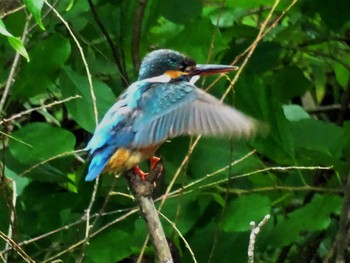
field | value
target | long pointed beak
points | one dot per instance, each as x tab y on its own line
207	69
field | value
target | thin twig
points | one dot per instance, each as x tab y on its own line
252	49
81	242
117	58
136	33
253	234
87	219
14	67
50	159
88	74
180	235
20	251
13	216
287	168
47	106
6	13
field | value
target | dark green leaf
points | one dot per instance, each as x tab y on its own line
181	11
48	57
110	246
312	217
82	109
244	209
46	141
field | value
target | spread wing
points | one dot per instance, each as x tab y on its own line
180	108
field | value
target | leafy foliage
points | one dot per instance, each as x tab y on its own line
297	81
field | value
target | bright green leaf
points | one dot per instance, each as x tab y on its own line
34	7
341	75
295	112
15	42
244	209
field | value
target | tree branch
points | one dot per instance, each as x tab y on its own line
116	56
342	238
142	190
136	33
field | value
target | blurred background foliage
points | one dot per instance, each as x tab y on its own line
296	81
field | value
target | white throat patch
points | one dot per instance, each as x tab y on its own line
159	79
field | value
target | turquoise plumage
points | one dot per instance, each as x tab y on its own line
162	104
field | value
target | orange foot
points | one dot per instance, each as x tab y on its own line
141	173
154	160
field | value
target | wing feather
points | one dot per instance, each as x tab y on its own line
203	115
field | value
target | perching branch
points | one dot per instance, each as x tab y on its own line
142	191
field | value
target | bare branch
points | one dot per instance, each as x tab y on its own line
20	251
253	234
47	106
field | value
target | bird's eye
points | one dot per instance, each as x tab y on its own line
182	68
186	68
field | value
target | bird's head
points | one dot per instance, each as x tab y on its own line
170	63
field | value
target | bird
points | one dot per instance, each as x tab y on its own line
162	104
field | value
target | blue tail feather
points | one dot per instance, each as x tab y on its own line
98	162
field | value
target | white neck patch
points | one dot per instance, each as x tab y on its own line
194	79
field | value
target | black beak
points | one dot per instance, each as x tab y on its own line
207	69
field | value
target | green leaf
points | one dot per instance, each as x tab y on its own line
15	42
48	57
295	113
341	75
244	209
185	10
34	7
315	216
82	110
46	142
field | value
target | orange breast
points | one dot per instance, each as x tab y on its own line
123	159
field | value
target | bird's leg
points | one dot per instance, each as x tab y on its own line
153	162
140	173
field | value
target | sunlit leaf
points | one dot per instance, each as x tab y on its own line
34	7
15	42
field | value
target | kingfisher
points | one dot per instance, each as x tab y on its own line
162	104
